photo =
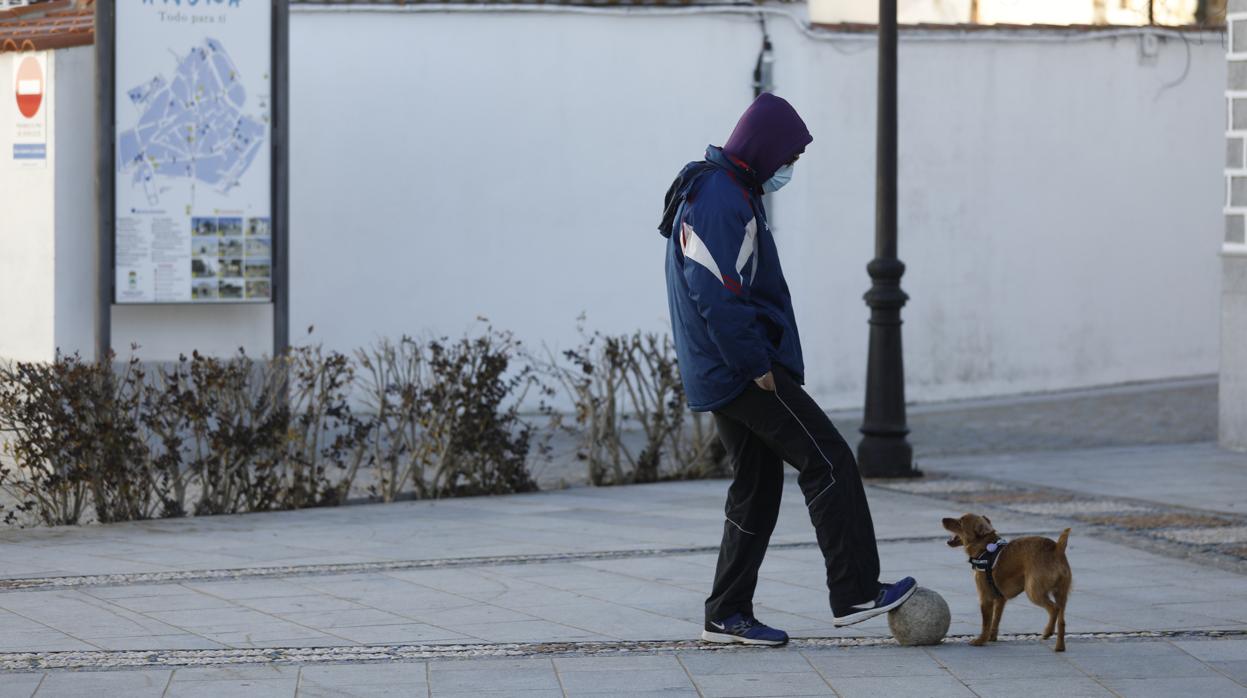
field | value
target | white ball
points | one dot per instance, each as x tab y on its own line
921	620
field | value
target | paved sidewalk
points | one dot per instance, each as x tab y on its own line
1157	412
591	591
1199	476
1144	414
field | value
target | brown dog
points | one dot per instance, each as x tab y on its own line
1033	564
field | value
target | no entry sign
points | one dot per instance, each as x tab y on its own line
29	82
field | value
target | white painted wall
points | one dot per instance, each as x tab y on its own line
1059	210
76	235
1059	206
1058	216
27	238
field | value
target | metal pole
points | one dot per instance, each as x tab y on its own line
884	450
105	25
281	192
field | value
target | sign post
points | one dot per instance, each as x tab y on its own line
281	180
192	157
104	132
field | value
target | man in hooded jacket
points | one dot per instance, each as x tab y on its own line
740	358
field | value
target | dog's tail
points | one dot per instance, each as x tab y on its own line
1060	542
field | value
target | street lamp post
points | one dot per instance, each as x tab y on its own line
884	450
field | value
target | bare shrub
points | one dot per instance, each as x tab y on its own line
447	416
393	385
201	435
440	418
480	443
228	425
51	417
326	442
614	381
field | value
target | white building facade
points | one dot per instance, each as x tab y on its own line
1058	207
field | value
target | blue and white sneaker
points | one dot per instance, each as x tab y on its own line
890	596
745	630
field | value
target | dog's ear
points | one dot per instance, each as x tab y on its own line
987	519
982	526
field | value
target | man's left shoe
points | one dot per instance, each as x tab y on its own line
890	596
745	630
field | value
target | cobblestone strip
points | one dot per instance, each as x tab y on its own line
229	574
132	659
1214	537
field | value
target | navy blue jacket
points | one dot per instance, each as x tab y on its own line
731	313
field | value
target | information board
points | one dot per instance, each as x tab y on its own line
193	151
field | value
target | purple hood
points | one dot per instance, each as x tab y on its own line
769	133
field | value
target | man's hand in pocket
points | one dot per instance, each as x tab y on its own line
766	381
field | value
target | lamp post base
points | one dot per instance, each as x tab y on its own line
884	450
888	456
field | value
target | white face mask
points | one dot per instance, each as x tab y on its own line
781	177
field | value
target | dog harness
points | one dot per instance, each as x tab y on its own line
985	562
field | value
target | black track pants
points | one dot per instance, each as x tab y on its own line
760	430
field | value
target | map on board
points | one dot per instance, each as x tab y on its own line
191	125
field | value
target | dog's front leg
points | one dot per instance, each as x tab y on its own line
998	609
985	606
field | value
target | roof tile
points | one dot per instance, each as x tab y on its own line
56	24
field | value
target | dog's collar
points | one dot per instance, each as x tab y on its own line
985	561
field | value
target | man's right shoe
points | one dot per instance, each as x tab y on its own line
745	630
890	596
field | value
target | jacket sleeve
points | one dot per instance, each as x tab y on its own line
719	243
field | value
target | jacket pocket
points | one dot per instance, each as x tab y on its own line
773	330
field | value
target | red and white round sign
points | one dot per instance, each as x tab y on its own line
29	87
